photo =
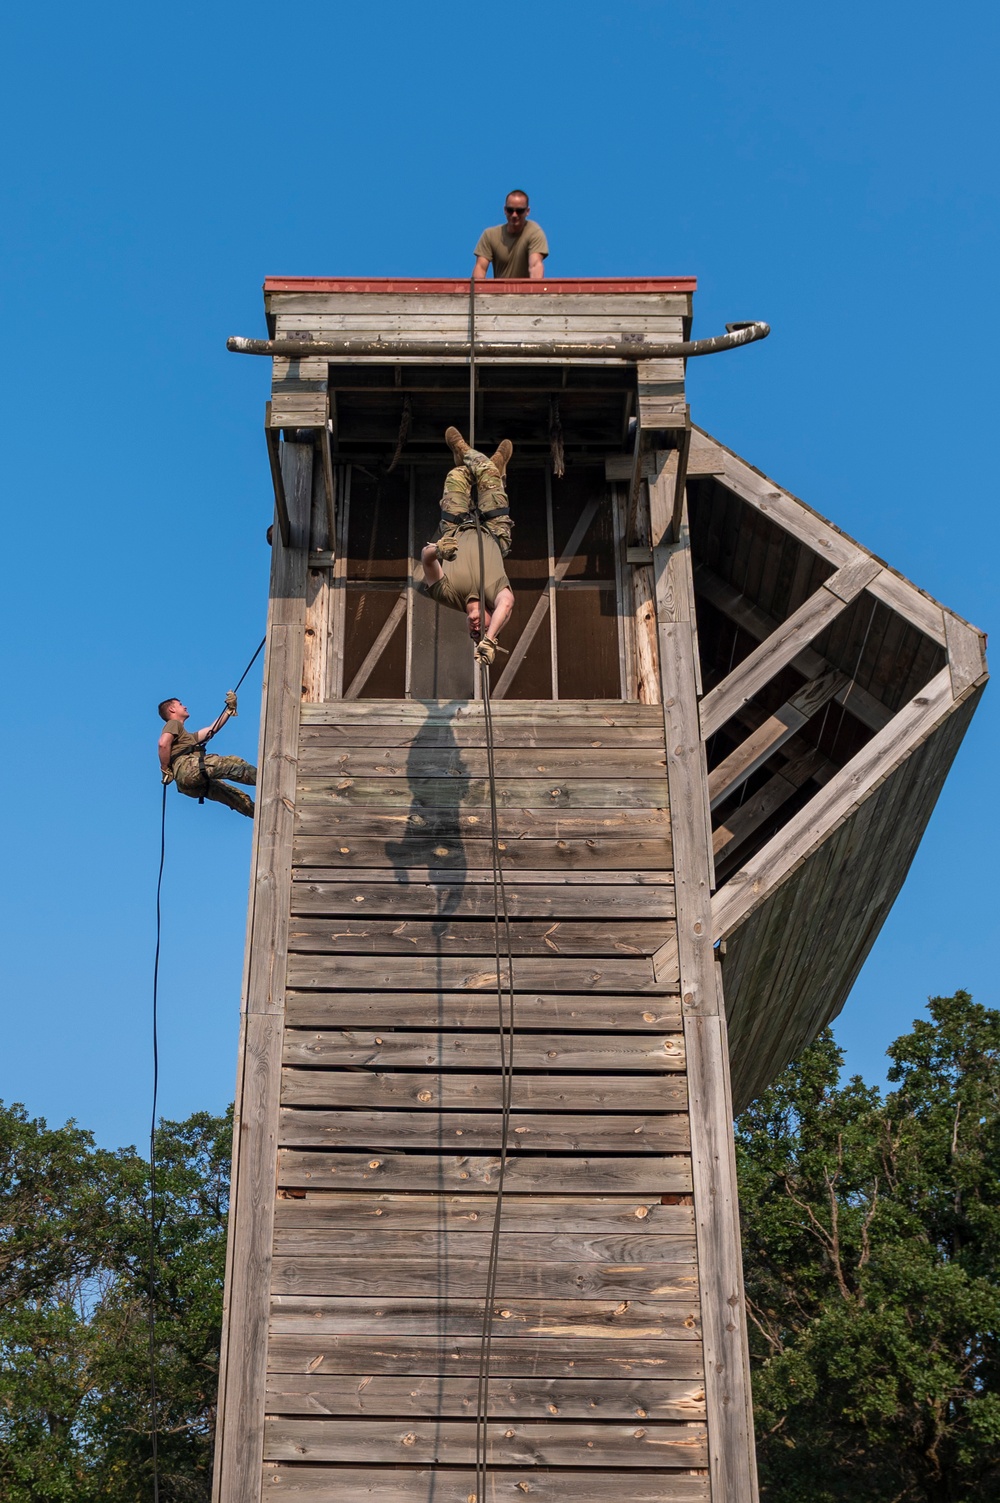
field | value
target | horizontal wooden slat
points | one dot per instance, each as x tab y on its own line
433	1274
526	876
454	900
565	1357
572	714
568	1245
402	827
465	1051
469	738
478	1010
559	1132
553	1174
539	1398
597	854
448	1092
452	973
469	793
416	762
451	1316
393	1484
473	1214
400	936
509	1442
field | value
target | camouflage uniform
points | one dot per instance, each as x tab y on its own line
199	777
456	503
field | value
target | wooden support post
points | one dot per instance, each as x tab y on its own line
732	1465
243	1362
274	460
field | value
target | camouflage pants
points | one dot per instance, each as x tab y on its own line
456	503
198	783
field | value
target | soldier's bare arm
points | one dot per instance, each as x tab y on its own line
165	746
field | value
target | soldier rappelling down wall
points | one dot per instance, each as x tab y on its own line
467	561
183	759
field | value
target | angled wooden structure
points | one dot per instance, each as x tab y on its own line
721	732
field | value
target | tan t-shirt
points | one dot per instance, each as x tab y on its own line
509	253
461	575
184	741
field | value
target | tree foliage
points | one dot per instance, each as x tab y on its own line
872	1256
74	1334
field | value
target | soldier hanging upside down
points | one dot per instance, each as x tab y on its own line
183	760
453	575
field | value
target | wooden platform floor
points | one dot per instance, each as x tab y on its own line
389	1124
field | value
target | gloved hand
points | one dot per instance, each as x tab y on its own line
486	651
231	701
447	551
167	775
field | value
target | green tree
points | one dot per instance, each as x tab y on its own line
74	1270
872	1254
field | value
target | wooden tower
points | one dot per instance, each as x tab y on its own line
720	734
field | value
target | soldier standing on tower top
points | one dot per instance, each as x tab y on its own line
515	249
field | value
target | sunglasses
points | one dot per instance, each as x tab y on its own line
508	210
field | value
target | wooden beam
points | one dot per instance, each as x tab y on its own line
377	648
537	616
732	1467
768	738
785	644
328	486
807	830
273	441
680	485
243	1368
966	654
751	814
757	623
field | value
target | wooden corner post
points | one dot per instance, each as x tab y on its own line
732	1463
245	1316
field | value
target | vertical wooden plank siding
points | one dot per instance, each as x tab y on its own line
732	1464
244	1363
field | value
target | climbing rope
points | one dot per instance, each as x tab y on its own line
502	942
153	1229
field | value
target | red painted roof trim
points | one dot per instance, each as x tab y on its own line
452	285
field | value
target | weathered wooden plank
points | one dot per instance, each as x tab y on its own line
730	1427
308	1316
757	809
554	1174
597	854
577	716
473	793
397	821
558	1132
402	936
539	1398
478	1011
241	1393
525	876
458	1356
547	737
508	1442
568	1245
449	1092
415	899
358	1048
414	761
324	1484
785	644
966	655
453	973
331	1274
761	744
473	1214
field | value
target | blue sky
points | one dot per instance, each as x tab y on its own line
829	169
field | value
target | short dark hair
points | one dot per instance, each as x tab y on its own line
163	708
518	193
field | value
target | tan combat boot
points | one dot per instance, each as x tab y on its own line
501	459
456	443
